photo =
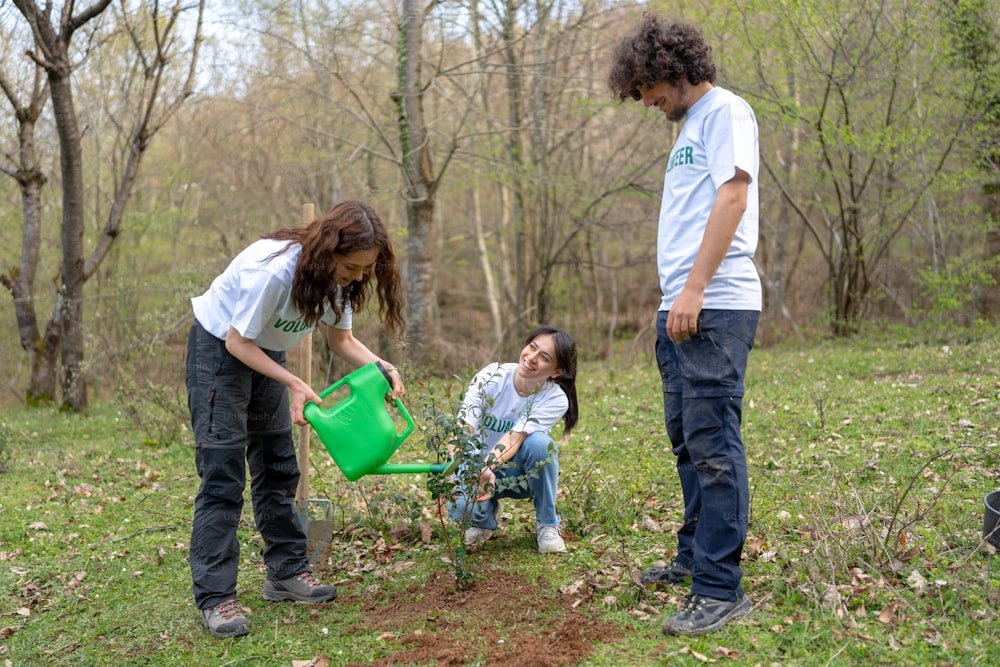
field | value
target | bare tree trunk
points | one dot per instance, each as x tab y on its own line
52	52
991	194
42	351
420	185
74	384
492	296
520	217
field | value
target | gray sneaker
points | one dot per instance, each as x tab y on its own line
225	619
700	614
303	587
672	573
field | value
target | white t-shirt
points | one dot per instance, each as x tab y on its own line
718	135
493	408
254	296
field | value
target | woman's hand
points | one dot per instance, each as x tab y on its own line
398	390
301	393
487	484
250	354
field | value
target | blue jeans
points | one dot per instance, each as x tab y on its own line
542	480
703	406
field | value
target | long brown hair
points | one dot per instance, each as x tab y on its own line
348	227
566	362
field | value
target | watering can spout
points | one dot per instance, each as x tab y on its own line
445	468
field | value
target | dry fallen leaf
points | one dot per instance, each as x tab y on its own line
888	614
571	589
319	661
916	581
694	654
76	579
727	652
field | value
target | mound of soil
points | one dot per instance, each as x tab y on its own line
504	620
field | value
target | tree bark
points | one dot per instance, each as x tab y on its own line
52	53
30	179
420	185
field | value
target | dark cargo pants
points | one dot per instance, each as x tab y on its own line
239	417
703	406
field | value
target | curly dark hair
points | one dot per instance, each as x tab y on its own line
348	227
659	51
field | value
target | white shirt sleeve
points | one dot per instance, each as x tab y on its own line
730	134
260	295
543	411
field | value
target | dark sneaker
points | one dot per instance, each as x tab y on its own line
225	620
700	615
303	587
672	573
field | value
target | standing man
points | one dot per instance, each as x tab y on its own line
711	304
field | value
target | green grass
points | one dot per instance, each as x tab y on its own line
868	470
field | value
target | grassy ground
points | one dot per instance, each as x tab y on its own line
868	469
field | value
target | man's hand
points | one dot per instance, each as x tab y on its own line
682	320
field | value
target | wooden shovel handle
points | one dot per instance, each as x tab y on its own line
305	372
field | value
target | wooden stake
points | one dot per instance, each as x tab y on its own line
305	372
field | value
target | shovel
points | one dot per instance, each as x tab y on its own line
360	433
315	514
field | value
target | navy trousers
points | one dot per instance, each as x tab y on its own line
703	404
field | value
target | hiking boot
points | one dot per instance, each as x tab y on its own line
303	587
672	573
476	537
700	615
549	539
225	619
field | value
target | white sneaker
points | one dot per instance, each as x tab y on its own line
549	539
476	537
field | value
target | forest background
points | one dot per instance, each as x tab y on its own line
146	145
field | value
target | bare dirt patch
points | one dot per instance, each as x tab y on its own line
504	620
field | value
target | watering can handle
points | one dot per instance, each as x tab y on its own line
339	383
333	387
409	423
399	406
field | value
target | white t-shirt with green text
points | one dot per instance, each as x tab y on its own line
494	409
254	296
718	135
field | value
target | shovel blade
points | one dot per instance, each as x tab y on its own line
316	517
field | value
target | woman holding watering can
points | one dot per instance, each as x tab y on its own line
269	298
511	408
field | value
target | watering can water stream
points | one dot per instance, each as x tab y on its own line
359	432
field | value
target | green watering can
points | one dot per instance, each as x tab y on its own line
359	432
